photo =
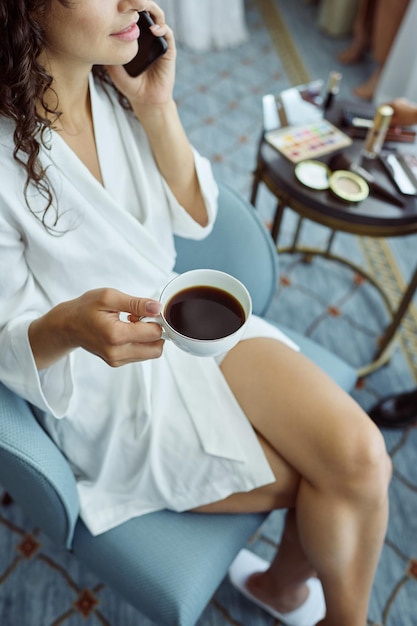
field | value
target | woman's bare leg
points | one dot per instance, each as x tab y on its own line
388	17
283	585
331	467
362	33
367	90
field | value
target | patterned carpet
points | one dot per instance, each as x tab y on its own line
219	97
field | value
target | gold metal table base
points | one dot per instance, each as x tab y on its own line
384	351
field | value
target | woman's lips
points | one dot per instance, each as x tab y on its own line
131	33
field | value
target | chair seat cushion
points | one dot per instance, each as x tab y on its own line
167	564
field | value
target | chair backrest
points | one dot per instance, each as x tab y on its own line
239	244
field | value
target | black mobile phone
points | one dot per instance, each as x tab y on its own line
150	47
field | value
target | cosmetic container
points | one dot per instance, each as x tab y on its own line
376	135
333	86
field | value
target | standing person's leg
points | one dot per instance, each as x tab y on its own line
331	468
388	17
362	33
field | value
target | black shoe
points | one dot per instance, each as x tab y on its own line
396	411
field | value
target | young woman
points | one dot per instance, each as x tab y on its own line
97	175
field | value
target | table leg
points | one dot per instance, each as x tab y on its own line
276	224
388	336
330	241
257	175
297	234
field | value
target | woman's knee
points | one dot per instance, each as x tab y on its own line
366	467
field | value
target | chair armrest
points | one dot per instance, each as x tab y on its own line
34	472
342	373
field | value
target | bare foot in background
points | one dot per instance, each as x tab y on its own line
354	53
367	90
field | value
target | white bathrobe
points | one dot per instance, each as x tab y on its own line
166	433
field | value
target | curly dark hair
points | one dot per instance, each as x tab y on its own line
24	84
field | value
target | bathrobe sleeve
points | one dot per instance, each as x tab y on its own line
22	301
182	223
148	179
38	270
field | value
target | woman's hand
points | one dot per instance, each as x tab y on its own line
405	112
92	322
155	85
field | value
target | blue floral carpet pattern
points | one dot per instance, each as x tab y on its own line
219	98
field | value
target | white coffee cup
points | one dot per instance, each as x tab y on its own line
204	278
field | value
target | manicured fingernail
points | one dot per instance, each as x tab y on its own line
155	28
152	307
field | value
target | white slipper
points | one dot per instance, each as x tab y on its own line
308	614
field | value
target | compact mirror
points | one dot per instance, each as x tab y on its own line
313	174
346	185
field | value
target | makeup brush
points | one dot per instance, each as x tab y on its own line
341	162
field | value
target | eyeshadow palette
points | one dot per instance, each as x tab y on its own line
308	141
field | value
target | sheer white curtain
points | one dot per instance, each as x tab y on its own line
206	24
399	76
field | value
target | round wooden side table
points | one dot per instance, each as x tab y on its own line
373	218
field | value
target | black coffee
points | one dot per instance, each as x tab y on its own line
204	313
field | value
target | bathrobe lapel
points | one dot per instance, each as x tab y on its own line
100	198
